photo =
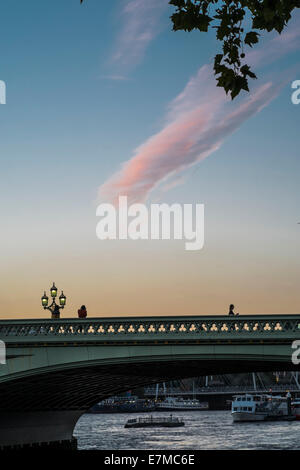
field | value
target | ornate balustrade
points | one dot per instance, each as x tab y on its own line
133	328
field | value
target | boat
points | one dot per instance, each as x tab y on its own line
151	422
129	404
296	409
261	407
180	404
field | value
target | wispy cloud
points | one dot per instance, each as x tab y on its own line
140	25
117	78
197	122
278	46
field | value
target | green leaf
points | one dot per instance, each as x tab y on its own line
268	14
177	3
251	38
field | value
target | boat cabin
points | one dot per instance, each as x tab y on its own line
251	403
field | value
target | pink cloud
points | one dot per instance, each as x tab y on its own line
197	122
181	144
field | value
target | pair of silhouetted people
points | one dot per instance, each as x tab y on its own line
82	312
231	312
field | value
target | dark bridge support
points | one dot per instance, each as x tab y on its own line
53	428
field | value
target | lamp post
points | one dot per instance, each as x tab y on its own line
54	307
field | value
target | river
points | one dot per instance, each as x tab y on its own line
202	430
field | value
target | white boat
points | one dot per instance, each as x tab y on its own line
260	407
296	409
180	404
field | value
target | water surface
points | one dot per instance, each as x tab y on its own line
202	430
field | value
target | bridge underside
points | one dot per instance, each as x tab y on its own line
81	387
44	408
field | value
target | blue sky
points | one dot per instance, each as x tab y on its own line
68	126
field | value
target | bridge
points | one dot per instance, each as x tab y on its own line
57	369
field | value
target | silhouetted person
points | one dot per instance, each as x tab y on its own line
56	313
231	308
82	312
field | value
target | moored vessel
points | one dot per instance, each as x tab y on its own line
296	409
180	404
261	407
131	404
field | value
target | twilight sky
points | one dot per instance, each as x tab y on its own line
104	99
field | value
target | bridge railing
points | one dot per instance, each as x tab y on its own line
228	389
153	327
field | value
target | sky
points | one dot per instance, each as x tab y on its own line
104	99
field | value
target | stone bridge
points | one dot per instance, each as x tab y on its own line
56	369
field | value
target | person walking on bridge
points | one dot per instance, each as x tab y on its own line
231	308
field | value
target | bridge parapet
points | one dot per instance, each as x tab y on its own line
151	328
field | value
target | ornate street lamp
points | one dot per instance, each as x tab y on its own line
54	307
53	291
62	299
45	300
